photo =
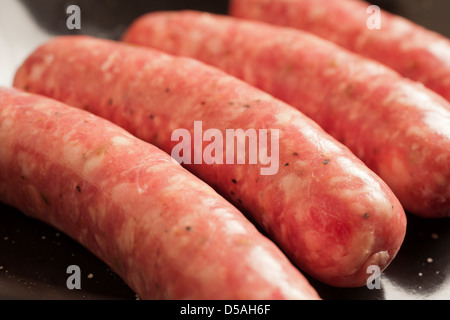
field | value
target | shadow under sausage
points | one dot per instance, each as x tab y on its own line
34	258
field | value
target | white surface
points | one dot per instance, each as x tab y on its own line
19	36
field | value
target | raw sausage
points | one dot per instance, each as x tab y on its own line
130	204
412	50
399	128
328	212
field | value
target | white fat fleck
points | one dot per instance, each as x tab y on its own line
5	113
25	164
215	46
221	212
400	29
108	76
355	170
93	163
141	187
416	132
100	241
415	147
43	108
401	173
93	213
369	68
179	183
235	227
272	271
38	69
6	125
209	202
49	58
290	184
108	63
126	195
337	180
36	72
441	50
312	134
108	68
439	122
283	117
440	179
316	12
177	180
416	96
372	187
232	225
330	146
155	169
126	238
121	141
72	152
437	118
289	181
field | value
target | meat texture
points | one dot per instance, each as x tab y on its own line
131	205
412	50
398	127
328	212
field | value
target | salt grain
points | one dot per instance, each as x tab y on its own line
430	260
